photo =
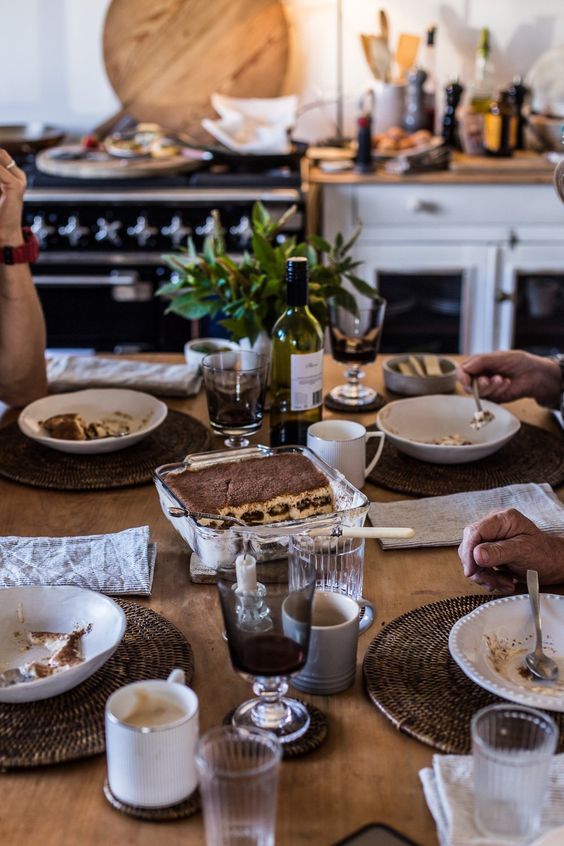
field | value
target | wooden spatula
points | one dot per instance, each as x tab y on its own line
377	55
406	53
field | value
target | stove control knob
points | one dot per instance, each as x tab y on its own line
142	231
176	231
207	227
41	229
108	231
243	231
73	230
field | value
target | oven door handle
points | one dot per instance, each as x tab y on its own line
86	281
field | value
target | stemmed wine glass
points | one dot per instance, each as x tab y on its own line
355	340
235	384
267	628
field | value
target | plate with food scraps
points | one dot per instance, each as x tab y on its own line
53	638
94	421
489	645
436	428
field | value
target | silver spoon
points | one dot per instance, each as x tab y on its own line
480	417
537	662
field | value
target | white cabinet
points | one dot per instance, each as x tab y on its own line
459	254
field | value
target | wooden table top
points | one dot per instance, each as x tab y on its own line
365	772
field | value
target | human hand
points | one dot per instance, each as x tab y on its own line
509	540
509	375
12	187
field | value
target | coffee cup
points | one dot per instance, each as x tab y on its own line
151	737
342	444
331	660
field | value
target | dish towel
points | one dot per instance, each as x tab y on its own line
121	563
259	125
440	520
449	793
75	372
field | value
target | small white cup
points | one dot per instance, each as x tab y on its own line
342	444
153	765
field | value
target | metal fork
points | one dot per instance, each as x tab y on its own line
481	417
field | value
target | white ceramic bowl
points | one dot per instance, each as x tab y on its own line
56	609
415	385
194	355
144	414
412	425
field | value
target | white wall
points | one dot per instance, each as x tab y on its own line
51	66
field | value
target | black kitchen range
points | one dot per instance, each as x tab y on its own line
102	243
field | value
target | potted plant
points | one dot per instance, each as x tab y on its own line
249	295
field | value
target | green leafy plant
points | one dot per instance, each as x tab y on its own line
250	294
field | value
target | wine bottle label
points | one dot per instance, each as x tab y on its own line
306	375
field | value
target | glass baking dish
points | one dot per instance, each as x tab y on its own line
217	547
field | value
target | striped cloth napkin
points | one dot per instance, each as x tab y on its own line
449	793
120	563
440	520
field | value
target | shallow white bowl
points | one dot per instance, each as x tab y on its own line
412	424
56	609
146	413
194	356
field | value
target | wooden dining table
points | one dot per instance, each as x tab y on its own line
366	771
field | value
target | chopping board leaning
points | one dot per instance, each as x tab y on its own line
165	60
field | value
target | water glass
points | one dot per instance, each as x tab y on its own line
235	384
512	747
238	771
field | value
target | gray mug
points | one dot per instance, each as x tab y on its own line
331	661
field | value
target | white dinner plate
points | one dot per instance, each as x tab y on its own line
56	609
551	838
142	412
490	644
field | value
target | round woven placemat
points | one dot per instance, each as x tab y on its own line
308	742
533	455
170	813
410	676
24	460
71	725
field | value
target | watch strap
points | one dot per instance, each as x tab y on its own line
27	253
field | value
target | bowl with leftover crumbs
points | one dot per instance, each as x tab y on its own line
253	499
437	428
419	374
53	638
92	421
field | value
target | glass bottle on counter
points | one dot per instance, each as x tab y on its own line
430	91
296	384
500	126
481	90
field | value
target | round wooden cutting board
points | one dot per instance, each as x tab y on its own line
165	58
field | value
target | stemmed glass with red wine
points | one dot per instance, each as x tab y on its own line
235	383
355	341
267	633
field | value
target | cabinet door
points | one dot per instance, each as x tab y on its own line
530	299
439	295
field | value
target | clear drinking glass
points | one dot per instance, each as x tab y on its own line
267	633
235	384
238	770
512	747
338	562
355	340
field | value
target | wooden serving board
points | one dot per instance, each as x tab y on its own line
521	161
165	59
109	167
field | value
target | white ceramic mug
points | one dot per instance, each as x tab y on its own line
342	444
151	737
331	658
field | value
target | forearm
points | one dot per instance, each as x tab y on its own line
22	337
548	384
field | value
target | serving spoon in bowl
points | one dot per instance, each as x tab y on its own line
539	664
480	417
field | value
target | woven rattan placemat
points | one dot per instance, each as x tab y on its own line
71	725
410	676
24	460
533	455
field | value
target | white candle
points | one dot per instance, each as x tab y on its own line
246	569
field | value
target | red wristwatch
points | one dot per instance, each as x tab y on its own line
27	253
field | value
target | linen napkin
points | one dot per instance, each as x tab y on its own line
74	372
259	125
449	793
440	520
120	563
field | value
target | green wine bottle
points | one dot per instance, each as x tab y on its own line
297	363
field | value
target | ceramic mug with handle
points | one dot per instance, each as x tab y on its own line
342	444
